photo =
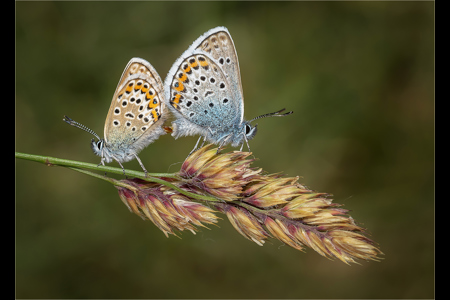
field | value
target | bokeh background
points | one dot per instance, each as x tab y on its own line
359	77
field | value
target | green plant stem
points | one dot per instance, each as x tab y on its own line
105	178
50	161
80	166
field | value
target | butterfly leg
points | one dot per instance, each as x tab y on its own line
102	162
204	140
120	164
246	141
195	147
223	142
142	165
123	169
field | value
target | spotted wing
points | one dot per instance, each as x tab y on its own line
204	85
136	107
218	45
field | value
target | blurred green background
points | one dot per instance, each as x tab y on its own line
359	77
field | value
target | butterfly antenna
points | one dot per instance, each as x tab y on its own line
274	114
81	126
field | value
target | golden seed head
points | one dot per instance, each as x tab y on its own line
259	206
168	210
222	175
246	224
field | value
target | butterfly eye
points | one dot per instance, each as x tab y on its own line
250	131
100	144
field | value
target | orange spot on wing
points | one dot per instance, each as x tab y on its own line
129	88
138	86
194	64
183	78
177	98
155	115
148	96
180	86
152	105
203	63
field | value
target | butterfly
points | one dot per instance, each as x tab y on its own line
203	90
135	116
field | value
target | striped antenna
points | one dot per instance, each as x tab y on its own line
274	114
81	126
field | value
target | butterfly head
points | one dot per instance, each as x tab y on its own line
250	131
97	146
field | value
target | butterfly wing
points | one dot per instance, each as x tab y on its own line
137	109
203	88
218	45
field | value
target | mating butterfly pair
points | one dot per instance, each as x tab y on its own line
203	91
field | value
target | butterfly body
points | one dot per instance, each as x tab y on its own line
135	116
225	134
203	90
